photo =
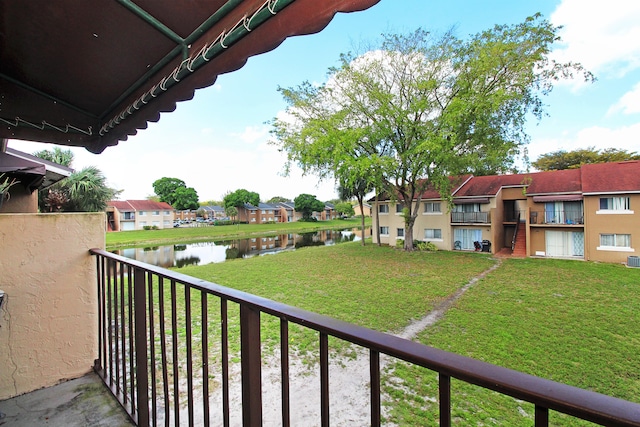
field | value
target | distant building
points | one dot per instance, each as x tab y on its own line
126	215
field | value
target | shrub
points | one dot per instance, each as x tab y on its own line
426	246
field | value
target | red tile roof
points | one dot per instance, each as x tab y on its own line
490	185
553	182
611	177
140	205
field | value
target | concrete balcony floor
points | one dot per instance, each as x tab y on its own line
84	401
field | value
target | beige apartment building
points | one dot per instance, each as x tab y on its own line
590	213
126	215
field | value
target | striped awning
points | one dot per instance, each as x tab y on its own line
558	198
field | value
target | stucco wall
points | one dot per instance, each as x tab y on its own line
618	223
48	324
20	200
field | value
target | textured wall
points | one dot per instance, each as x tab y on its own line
48	323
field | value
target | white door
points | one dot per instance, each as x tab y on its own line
564	243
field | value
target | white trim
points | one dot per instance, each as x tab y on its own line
432	213
611	193
615	249
433	240
613	212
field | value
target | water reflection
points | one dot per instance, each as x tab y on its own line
202	253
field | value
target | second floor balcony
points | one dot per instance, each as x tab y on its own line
470	218
557	217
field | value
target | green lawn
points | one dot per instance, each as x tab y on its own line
186	234
569	321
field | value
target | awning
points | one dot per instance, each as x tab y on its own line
32	172
480	200
558	198
90	73
28	173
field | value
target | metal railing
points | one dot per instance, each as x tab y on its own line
515	232
146	312
470	217
572	217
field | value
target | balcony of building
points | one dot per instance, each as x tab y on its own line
470	218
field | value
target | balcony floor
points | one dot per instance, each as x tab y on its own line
84	401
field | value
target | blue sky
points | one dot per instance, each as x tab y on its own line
217	142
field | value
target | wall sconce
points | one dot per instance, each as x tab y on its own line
2	298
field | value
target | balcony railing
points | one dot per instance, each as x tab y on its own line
470	217
156	346
557	217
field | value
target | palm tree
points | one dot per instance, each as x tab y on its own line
57	155
83	191
88	191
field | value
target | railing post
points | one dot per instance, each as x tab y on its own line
141	372
445	399
251	366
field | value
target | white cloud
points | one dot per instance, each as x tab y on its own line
629	103
624	138
603	36
252	134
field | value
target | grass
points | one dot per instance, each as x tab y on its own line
195	234
378	287
569	321
572	322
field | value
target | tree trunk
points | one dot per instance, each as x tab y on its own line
377	222
361	204
409	222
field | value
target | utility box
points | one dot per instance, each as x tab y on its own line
633	261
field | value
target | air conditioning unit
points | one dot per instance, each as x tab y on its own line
633	261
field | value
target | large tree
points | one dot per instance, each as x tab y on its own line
561	159
306	204
423	107
175	192
239	197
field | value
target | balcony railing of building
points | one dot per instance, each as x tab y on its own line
557	217
470	217
156	345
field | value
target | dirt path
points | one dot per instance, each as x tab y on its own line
348	381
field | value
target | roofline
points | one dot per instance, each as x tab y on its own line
612	192
547	193
453	193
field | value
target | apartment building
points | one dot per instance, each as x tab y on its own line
125	215
586	213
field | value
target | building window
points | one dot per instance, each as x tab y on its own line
156	213
167	212
383	209
400	232
166	223
615	241
432	234
398	208
384	231
156	223
615	204
432	207
143	223
142	213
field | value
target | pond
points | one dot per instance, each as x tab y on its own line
201	253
